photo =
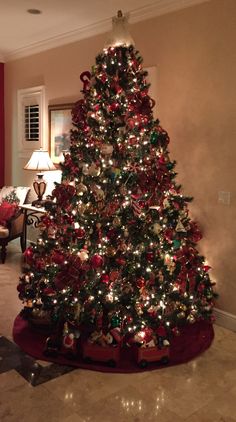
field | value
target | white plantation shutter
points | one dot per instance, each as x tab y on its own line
31	120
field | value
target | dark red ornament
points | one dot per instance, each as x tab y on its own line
80	233
150	256
120	261
105	278
58	257
96	261
49	291
140	282
28	254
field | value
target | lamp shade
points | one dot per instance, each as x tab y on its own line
40	160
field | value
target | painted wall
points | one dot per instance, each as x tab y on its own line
193	52
1	124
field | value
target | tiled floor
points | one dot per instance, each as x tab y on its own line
204	390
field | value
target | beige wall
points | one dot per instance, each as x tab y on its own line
193	52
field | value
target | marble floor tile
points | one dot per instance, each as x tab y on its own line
28	404
220	409
11	379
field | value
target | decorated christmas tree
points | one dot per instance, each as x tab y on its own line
116	262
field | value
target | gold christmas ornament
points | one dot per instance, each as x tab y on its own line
181	315
94	170
81	189
191	319
110	251
180	227
126	233
106	149
166	203
83	255
123	190
156	228
116	222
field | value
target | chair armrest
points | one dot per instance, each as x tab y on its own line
15	223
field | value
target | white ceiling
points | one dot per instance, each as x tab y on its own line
65	21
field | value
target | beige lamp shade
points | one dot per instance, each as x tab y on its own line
40	161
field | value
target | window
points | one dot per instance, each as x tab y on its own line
31	120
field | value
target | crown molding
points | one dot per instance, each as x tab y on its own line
160	7
62	39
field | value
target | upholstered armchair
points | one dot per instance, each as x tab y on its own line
13	227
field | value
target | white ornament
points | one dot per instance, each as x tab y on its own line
83	255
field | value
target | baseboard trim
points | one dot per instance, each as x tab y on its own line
225	319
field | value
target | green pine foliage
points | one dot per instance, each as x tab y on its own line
117	247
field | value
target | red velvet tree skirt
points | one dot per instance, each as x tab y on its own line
194	340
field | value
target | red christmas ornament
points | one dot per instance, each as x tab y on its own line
103	78
150	256
140	282
80	233
121	261
96	261
105	279
49	291
113	106
39	264
58	257
28	254
114	275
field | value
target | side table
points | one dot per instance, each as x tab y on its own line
32	216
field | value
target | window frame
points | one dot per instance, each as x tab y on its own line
26	97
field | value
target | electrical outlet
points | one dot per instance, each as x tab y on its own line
224	197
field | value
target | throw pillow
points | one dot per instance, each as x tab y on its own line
7	211
20	191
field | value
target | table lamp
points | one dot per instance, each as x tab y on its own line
40	161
